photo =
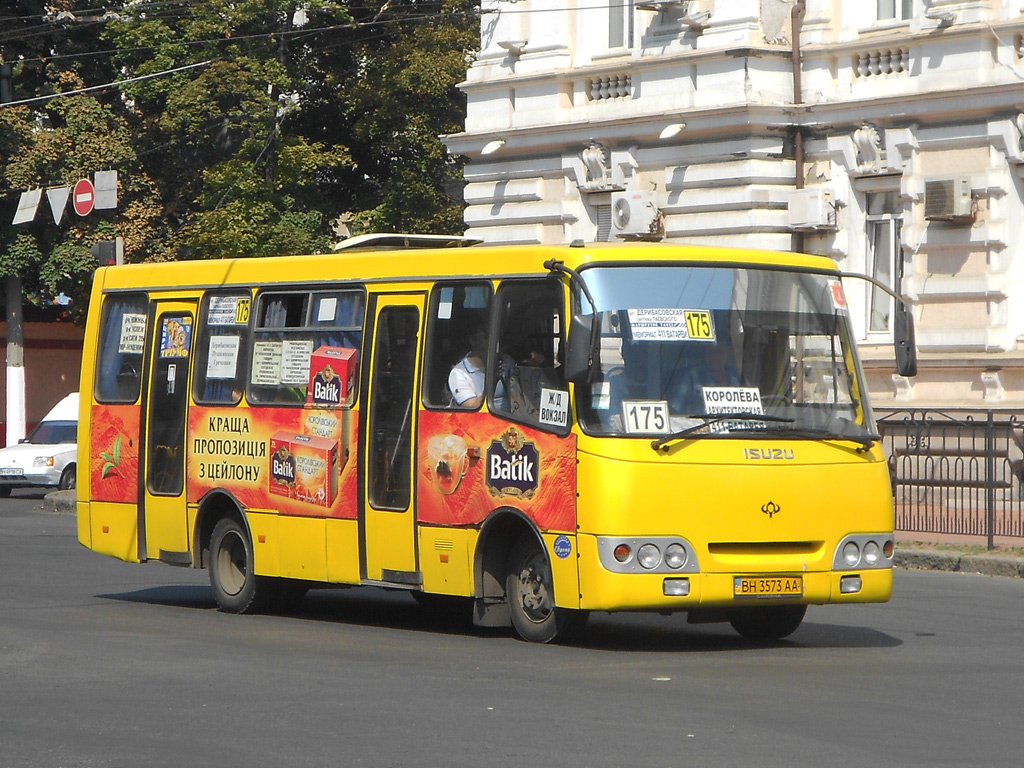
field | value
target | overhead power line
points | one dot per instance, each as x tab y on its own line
115	84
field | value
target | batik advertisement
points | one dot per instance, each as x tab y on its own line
469	464
297	461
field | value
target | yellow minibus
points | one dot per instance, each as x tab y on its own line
538	431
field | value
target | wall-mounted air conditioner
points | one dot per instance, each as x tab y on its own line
948	199
811	209
636	215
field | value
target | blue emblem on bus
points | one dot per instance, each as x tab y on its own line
563	547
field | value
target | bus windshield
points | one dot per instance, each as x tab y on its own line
720	351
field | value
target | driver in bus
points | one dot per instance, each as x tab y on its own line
467	378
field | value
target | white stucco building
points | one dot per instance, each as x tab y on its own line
886	134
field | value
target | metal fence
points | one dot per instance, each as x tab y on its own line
956	474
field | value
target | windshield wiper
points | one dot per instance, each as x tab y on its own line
661	442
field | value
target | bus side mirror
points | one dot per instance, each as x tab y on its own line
578	354
904	341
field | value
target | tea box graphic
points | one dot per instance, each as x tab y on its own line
332	376
304	468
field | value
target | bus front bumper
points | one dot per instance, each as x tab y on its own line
603	590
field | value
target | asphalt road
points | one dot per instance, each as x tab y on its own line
104	663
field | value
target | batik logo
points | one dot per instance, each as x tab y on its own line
513	466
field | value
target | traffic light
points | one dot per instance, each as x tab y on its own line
107	252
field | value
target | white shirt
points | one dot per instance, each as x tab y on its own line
467	380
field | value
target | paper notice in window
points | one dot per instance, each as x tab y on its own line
266	363
222	359
133	334
295	356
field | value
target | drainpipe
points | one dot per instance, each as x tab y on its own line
797	16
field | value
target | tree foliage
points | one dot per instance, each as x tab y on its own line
236	128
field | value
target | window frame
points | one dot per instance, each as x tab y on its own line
204	335
308	327
102	350
890	219
500	347
433	358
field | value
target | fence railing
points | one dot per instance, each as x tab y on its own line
957	473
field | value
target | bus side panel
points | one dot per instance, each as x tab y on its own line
562	554
343	551
84	519
266	542
233	448
113	529
470	464
302	548
445	561
114	453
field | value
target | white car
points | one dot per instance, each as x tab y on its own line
46	458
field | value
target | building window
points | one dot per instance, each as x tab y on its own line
899	10
620	23
884	257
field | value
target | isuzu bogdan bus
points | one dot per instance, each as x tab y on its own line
537	432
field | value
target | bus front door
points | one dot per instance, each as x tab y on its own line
164	527
388	526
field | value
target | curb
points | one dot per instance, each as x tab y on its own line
935	560
63	502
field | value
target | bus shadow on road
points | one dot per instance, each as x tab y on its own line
625	632
173	595
649	633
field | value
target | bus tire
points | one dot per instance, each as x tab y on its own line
531	596
767	623
235	587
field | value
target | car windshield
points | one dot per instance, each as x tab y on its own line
53	432
685	346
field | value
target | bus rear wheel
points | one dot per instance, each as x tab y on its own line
767	623
235	587
531	596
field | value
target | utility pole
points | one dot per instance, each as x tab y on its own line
15	322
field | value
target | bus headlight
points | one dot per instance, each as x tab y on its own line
851	554
863	550
871	553
648	556
675	556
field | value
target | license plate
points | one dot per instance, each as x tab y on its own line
15	471
767	586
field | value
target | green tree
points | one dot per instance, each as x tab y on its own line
237	128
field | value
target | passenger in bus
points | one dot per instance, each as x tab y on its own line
468	376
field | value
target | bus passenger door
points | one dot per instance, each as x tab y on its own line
164	527
388	527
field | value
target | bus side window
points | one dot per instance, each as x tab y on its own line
221	347
456	311
121	345
530	344
290	327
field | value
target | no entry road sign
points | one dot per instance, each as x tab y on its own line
84	197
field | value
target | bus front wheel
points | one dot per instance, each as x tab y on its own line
767	623
235	587
531	596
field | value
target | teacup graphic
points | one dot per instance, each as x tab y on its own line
448	458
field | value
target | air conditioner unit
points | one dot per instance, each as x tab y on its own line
636	215
948	199
811	209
